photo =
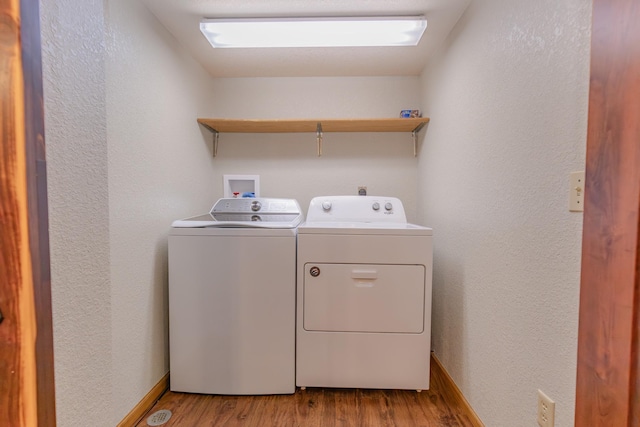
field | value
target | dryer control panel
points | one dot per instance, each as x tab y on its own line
356	209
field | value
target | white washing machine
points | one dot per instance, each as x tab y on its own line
232	298
363	296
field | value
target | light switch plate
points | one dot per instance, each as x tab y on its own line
576	192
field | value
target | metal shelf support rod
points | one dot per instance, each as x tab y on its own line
319	138
216	137
414	135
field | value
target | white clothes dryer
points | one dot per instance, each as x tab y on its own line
363	296
232	298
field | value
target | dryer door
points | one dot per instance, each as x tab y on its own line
364	298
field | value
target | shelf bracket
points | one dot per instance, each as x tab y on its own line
414	135
216	137
319	138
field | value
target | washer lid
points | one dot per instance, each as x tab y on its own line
248	212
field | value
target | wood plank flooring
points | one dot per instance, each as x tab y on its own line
440	406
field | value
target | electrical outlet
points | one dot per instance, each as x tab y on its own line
576	198
362	190
546	410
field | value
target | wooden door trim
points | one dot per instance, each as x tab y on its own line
38	208
607	388
26	340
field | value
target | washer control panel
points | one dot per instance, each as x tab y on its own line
252	205
356	209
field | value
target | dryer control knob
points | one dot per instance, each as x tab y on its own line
256	205
375	206
388	206
326	205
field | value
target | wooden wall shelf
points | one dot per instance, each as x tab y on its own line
318	126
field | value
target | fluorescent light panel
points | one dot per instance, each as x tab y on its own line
314	32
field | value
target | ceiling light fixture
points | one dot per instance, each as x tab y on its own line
314	32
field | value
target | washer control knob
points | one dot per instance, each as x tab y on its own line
388	206
375	206
256	205
326	205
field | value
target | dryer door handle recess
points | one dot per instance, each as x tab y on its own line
364	274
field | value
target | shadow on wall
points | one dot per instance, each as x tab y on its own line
448	320
160	297
347	145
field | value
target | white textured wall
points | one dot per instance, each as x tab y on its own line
73	49
507	97
125	158
158	169
288	164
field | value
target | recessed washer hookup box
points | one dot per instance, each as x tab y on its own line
238	185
